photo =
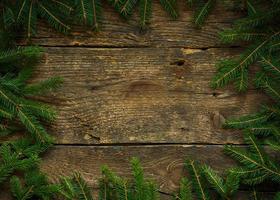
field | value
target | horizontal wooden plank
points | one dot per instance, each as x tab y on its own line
163	163
151	95
162	32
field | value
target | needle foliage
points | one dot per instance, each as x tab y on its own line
24	15
22	116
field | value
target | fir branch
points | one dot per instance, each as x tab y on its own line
272	66
19	54
215	180
170	6
84	191
202	12
264	171
33	126
53	20
197	180
232	35
249	121
185	192
257	19
126	7
265	130
231	70
96	12
43	86
145	12
269	85
254	146
64	6
18	192
138	175
232	184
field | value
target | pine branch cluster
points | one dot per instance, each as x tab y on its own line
111	186
23	116
260	29
61	14
19	112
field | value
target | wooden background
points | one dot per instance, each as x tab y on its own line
145	94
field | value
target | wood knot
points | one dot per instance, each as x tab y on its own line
92	137
218	119
143	88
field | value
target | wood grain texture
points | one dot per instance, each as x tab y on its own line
125	86
163	31
163	163
150	95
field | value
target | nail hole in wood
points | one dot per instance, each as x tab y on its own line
178	62
214	94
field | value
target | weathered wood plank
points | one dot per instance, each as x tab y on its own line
162	32
163	163
150	95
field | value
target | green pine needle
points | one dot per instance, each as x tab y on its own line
202	12
145	13
198	181
170	6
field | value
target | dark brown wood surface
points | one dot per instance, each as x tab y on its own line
146	94
163	31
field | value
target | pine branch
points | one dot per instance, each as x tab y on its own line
202	12
33	126
271	65
185	192
19	54
113	186
97	13
89	12
264	130
232	184
249	121
43	86
75	188
145	12
126	7
274	145
269	85
233	35
18	192
53	20
261	171
8	17
258	19
197	180
170	6
138	175
229	70
85	192
255	147
216	181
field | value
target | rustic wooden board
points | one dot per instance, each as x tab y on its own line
163	163
163	31
145	102
146	95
